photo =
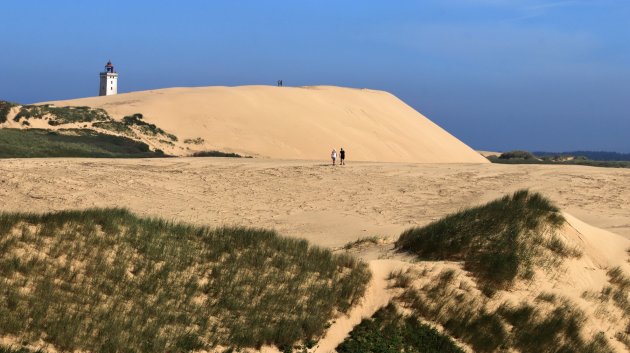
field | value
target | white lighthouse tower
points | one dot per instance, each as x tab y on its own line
109	81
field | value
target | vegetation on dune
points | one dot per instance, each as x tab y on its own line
372	240
5	108
619	293
195	141
551	325
146	128
591	155
217	154
62	115
32	143
105	280
524	157
89	117
388	331
517	155
498	242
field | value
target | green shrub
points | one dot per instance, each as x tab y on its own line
499	241
105	280
388	331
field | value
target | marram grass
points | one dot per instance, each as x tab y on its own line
105	280
498	242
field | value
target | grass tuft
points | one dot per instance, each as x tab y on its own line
498	242
373	240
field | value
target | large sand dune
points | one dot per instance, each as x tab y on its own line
293	122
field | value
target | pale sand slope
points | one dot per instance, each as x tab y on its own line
293	122
329	206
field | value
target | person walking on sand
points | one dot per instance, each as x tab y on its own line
342	156
333	155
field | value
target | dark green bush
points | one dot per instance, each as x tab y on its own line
5	108
517	155
388	331
216	154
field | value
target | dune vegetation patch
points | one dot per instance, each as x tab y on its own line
61	115
195	141
81	120
388	331
447	297
498	242
217	154
39	143
105	280
5	108
593	159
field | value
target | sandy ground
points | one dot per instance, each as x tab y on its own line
292	122
331	206
327	205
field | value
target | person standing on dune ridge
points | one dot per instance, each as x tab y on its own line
333	155
342	156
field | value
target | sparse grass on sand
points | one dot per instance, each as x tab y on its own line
39	143
619	293
549	324
105	280
388	331
498	242
372	240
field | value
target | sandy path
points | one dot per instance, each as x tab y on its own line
377	295
328	206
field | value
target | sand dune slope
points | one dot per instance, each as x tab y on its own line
293	122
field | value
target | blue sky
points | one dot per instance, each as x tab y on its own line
498	74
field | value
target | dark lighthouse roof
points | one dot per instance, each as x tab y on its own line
109	67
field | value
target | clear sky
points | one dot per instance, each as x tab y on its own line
498	74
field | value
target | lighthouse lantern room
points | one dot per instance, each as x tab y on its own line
109	81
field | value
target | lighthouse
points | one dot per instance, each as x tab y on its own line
109	81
